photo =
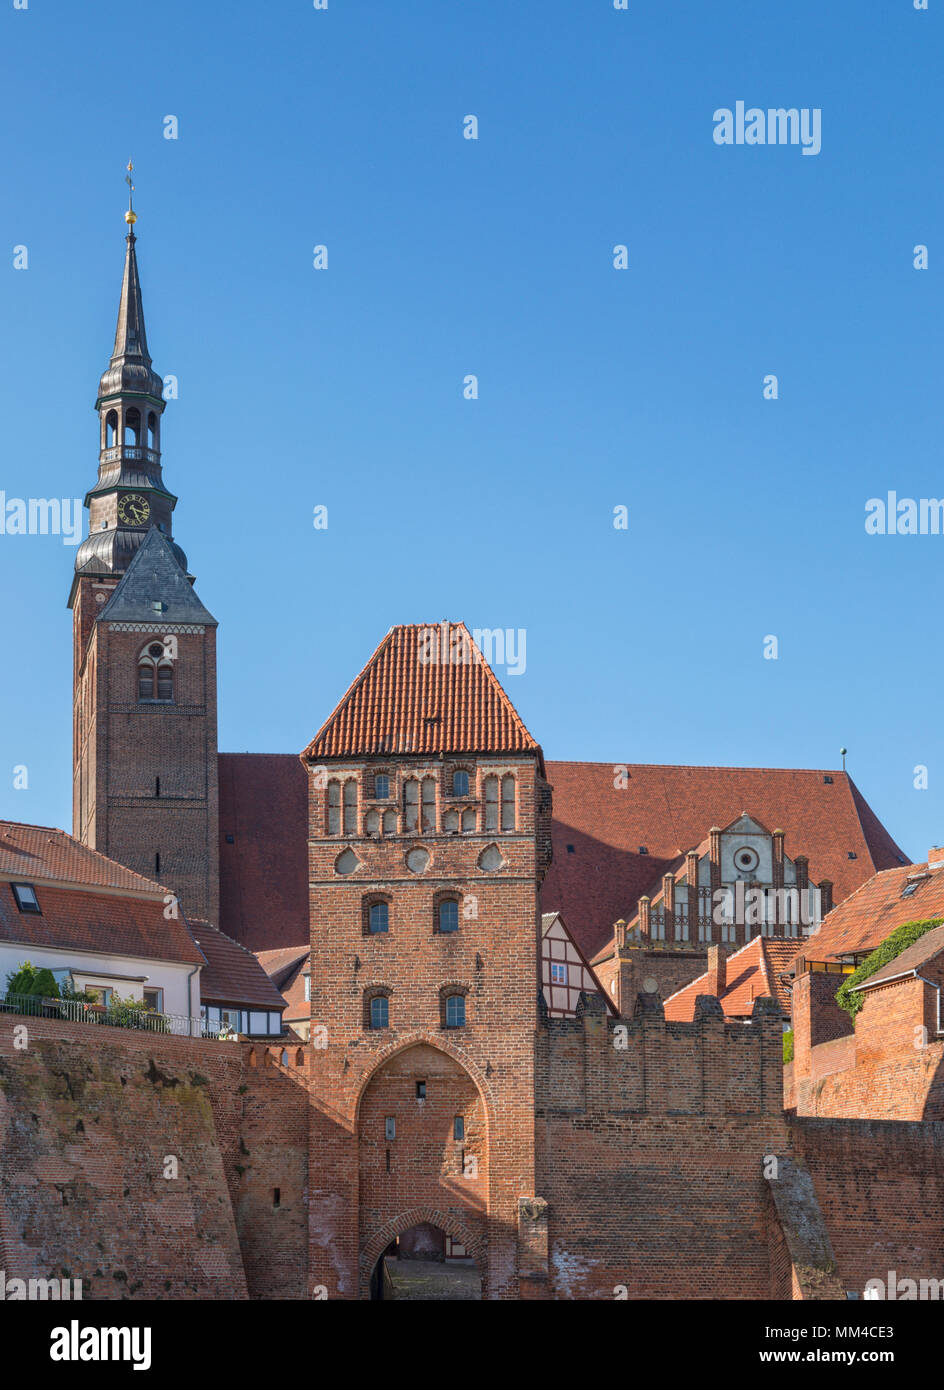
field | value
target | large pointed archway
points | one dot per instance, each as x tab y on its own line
423	1159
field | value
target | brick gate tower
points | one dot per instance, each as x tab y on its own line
429	835
144	666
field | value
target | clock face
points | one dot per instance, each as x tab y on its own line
133	509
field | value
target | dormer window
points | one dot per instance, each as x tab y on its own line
26	899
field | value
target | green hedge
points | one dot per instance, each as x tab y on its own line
902	937
788	1047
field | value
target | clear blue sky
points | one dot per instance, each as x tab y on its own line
597	387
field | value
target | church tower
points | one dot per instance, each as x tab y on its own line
144	647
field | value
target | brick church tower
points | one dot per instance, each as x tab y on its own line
144	667
429	835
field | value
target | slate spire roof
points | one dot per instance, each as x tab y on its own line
130	365
155	576
426	689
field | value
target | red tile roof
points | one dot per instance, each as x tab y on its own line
76	919
87	902
286	967
232	974
405	702
873	912
669	809
38	853
752	973
912	960
264	872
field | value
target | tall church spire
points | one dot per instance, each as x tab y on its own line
129	496
130	365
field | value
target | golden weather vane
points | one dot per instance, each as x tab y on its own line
130	216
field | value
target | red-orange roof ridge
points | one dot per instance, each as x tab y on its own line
400	703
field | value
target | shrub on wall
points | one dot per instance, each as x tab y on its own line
28	980
847	997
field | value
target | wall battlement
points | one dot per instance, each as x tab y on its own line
643	1065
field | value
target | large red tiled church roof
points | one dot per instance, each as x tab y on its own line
612	845
426	689
857	926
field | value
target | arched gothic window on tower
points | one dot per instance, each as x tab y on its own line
155	674
133	426
111	429
152	430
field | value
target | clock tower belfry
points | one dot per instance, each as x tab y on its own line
144	647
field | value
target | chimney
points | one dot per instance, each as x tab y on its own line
717	971
826	896
802	872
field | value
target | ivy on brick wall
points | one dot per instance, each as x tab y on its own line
901	938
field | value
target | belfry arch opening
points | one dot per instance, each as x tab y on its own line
425	1263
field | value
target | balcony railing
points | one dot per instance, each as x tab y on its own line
140	1020
129	451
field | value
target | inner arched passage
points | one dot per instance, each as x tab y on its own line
422	1158
428	1259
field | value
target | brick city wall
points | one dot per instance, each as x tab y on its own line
892	1065
88	1118
880	1186
650	1146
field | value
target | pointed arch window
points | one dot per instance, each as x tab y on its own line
334	807
508	803
429	803
411	804
155	674
491	803
350	807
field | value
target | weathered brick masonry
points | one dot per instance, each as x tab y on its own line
88	1118
650	1141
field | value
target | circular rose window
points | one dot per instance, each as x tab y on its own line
417	861
746	858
